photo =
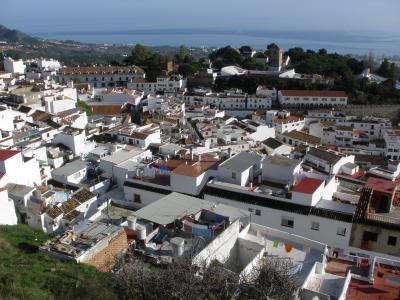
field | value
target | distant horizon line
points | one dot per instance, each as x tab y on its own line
205	30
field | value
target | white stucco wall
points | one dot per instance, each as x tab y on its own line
302	224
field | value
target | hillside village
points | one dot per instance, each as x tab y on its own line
107	161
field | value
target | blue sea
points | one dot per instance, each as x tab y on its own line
334	41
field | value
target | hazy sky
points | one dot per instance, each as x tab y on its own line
34	16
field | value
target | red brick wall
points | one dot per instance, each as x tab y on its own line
105	259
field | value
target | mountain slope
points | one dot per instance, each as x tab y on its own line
16	36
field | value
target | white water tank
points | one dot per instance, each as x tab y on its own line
177	244
131	222
141	232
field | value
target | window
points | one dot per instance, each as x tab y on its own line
369	236
233	175
287	222
341	231
136	198
258	212
315	226
251	210
392	240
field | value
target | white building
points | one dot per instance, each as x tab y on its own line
229	100
279	212
134	135
309	98
163	84
283	121
101	77
324	115
14	66
75	140
328	161
276	147
392	141
240	168
263	91
117	96
373	127
72	172
18	170
7	209
280	169
160	178
82	205
48	64
297	138
55	105
113	165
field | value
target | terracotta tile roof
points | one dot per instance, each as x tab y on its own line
107	109
308	186
327	123
139	135
308	93
6	154
344	128
101	70
83	195
272	143
69	205
373	159
302	136
194	170
382	185
41	116
329	157
289	119
54	212
72	215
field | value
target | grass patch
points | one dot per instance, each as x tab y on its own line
82	105
27	274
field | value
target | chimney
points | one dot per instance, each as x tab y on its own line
199	157
229	152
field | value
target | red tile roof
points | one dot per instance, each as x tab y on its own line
382	185
305	93
358	131
6	154
360	173
288	119
307	186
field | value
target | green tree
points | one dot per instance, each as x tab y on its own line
272	45
226	56
139	55
245	49
182	54
252	64
187	70
384	68
296	54
81	105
